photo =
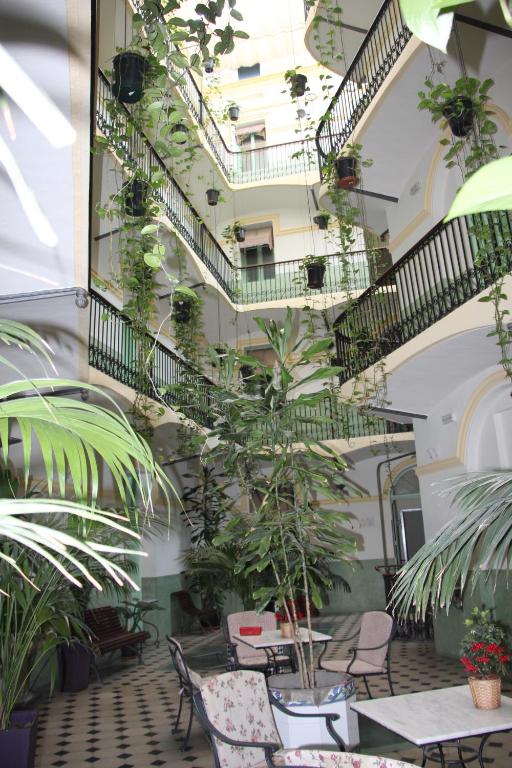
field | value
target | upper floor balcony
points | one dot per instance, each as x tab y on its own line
450	265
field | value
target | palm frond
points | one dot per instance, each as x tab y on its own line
477	541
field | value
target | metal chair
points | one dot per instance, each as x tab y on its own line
188	681
235	711
371	655
241	656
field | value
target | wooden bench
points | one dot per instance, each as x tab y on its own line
108	635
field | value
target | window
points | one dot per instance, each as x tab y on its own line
258	254
252	156
245	72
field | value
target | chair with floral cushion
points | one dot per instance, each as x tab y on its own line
371	655
242	656
235	711
188	681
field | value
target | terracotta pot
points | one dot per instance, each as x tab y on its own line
460	114
129	71
486	691
286	629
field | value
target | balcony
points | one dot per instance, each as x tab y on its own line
449	266
115	350
273	282
379	51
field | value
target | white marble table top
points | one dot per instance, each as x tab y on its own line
431	717
272	637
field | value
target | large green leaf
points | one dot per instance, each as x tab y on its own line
427	23
489	189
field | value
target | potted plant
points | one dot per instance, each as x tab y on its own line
484	659
321	220
179	133
315	270
135	197
234	233
208	65
297	83
183	304
461	106
233	111
347	170
130	68
212	196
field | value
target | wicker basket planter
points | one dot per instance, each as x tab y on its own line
486	692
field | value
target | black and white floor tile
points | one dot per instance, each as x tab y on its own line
126	721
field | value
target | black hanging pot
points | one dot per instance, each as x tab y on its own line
460	114
208	66
322	221
346	172
129	71
234	113
181	310
315	275
213	196
240	234
180	128
135	201
298	85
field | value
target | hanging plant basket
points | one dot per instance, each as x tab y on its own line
136	197
208	66
129	71
180	128
315	275
240	234
182	309
322	220
298	85
234	113
346	172
213	196
460	114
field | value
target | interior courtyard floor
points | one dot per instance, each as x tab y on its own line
126	721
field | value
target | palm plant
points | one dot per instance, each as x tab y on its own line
72	438
478	538
269	442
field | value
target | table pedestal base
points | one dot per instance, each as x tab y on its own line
454	753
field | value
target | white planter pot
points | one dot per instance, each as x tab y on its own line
334	694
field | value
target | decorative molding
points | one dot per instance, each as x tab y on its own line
439	466
476	398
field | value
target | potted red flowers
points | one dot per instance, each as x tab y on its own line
484	658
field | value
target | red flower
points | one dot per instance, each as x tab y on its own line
504	658
492	648
477	646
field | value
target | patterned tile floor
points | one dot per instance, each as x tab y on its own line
126	722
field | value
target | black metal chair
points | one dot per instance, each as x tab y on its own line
189	681
371	655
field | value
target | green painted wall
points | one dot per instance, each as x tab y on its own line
366	585
160	588
449	628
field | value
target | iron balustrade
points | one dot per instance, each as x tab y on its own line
243	285
450	265
381	48
154	370
147	367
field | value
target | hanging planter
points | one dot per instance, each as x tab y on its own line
208	66
315	271
129	71
234	112
298	84
322	220
180	133
183	304
213	196
239	234
135	201
460	114
346	168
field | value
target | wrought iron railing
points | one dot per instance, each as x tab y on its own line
115	349
450	265
156	371
381	48
243	285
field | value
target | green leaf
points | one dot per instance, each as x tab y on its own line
152	260
186	291
149	229
425	21
489	189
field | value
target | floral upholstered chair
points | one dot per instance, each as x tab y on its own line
242	656
188	681
371	655
235	711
